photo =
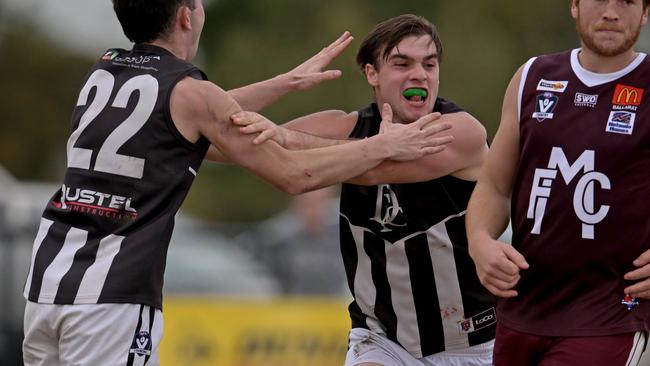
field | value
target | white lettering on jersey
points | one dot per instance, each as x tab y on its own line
583	197
387	208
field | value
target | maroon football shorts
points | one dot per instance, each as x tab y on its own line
513	348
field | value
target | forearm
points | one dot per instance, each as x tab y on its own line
488	213
257	96
299	140
392	172
320	167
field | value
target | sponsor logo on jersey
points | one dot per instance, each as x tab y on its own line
478	321
552	86
141	345
95	203
140	62
585	100
626	97
621	122
136	60
584	196
544	106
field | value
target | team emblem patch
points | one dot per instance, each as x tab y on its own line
629	301
141	344
621	122
465	325
544	107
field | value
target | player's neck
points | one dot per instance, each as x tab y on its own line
600	64
178	49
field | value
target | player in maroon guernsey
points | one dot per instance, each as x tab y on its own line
570	161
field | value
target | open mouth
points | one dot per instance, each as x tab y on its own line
415	94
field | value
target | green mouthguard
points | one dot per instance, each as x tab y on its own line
413	92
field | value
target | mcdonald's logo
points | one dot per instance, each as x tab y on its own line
627	95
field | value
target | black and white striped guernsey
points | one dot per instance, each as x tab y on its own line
104	235
405	253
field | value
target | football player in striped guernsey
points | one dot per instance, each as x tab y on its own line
417	298
570	163
144	121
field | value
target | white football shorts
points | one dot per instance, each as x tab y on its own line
91	334
367	346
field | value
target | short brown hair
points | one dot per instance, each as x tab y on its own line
387	34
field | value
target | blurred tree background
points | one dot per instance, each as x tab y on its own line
248	40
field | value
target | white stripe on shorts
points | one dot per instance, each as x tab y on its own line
638	345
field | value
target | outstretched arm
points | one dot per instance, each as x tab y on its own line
257	96
200	108
460	149
497	264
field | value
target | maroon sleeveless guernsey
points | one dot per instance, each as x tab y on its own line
581	200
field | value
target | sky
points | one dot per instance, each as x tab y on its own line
85	26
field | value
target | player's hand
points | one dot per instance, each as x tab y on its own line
311	72
641	289
251	122
498	266
414	140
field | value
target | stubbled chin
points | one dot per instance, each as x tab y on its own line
411	115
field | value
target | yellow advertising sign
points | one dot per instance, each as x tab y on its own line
235	332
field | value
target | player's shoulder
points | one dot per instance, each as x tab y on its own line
468	127
199	94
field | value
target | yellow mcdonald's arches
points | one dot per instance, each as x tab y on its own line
240	332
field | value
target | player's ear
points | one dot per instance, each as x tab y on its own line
371	75
184	17
574	9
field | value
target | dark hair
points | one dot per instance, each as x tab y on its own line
387	34
146	20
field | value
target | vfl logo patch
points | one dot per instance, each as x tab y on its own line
585	100
627	97
552	86
544	106
478	321
141	344
621	122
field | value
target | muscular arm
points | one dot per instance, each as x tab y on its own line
462	157
201	108
488	212
321	129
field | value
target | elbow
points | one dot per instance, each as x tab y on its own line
293	189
